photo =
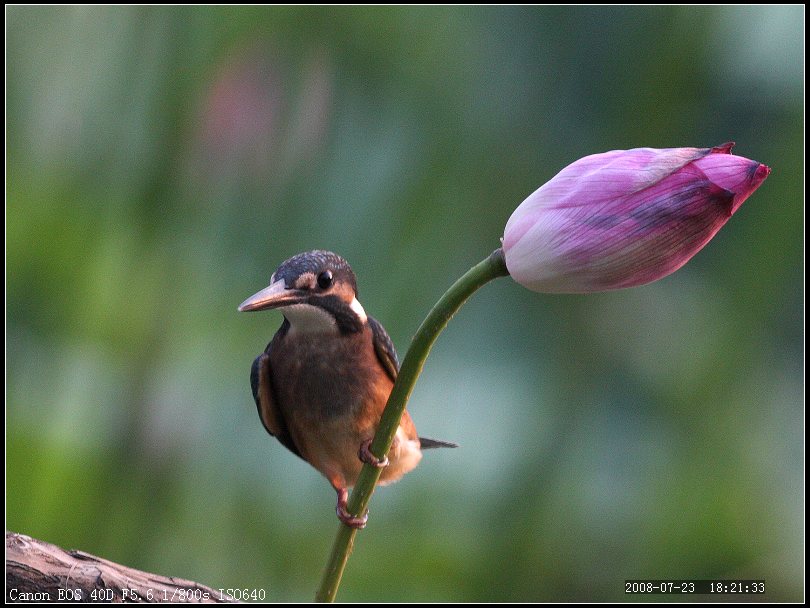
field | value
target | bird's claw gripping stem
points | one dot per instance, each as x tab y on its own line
366	456
343	514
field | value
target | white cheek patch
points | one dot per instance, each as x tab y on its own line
358	310
306	319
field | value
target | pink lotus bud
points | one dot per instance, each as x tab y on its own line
625	218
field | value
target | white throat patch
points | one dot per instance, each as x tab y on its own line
308	319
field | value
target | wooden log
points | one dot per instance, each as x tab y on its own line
40	571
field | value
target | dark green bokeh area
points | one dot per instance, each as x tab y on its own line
163	161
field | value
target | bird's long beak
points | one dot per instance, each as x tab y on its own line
272	296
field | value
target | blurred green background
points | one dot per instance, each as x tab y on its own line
163	161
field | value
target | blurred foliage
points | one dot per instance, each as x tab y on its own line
162	161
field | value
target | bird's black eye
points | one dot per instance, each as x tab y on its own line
325	279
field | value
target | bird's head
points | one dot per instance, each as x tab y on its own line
316	292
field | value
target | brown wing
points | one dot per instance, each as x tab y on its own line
387	356
271	417
386	353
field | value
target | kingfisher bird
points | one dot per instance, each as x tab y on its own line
323	381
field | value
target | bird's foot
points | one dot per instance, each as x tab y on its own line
343	514
366	456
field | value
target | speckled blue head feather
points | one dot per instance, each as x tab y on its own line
315	262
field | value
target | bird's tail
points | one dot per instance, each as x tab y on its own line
435	443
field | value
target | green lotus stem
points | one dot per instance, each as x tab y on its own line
479	275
